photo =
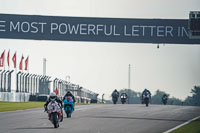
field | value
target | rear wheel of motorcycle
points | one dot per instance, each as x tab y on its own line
68	115
55	120
61	116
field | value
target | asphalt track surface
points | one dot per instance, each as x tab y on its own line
100	119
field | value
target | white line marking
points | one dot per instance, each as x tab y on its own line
170	130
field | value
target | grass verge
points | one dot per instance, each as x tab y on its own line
12	106
192	127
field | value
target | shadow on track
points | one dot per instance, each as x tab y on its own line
136	118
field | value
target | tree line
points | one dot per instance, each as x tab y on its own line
134	97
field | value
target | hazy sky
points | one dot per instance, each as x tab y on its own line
103	67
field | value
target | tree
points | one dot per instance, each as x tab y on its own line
195	100
157	98
175	101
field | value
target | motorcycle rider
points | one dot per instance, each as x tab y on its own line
146	91
164	98
123	97
70	94
115	94
53	97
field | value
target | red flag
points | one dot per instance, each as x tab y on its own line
2	59
56	91
8	57
20	65
26	63
14	60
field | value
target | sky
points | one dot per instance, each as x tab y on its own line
102	67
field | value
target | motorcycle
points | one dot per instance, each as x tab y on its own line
68	106
123	99
115	96
55	113
164	100
146	98
115	99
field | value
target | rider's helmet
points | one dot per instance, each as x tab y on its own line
52	96
68	92
145	89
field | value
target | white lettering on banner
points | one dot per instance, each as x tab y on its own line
73	28
114	30
83	28
134	30
54	26
125	32
178	31
105	29
91	28
160	31
152	27
168	30
183	31
17	26
98	28
34	27
2	26
143	31
64	27
26	27
42	26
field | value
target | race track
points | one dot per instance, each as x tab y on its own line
106	118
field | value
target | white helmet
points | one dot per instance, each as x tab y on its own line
52	96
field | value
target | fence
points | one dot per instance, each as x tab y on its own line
29	87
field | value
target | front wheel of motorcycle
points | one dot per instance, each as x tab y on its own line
55	120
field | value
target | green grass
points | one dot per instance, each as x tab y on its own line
192	127
12	106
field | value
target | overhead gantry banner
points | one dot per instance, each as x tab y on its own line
95	29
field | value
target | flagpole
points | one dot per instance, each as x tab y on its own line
22	62
4	60
28	64
8	56
16	63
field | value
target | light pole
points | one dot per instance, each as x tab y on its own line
129	82
129	75
68	77
44	66
102	98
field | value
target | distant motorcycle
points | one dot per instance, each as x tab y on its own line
115	99
68	106
123	98
146	98
55	113
115	96
164	99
